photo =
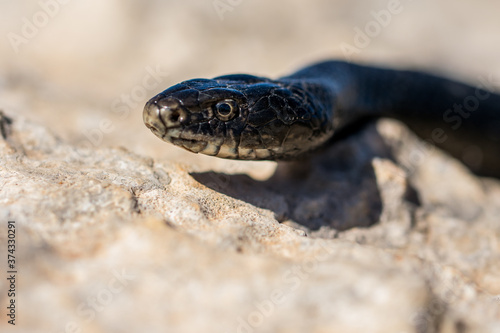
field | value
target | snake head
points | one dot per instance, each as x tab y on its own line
238	116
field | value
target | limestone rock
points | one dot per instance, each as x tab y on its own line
109	240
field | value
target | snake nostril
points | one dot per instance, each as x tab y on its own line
174	116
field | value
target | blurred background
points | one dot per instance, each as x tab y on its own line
86	68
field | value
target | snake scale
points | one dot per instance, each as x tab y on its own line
249	117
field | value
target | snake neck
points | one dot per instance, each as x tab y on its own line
370	91
454	116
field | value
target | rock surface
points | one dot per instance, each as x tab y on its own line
119	232
383	243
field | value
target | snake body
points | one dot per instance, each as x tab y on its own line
249	117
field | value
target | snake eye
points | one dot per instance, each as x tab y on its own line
226	110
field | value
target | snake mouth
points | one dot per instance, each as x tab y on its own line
202	146
194	146
220	149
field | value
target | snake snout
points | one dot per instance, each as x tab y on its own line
160	115
151	118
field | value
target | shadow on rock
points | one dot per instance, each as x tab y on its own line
336	188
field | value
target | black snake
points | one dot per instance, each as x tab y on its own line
255	118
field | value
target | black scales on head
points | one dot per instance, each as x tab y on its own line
240	117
